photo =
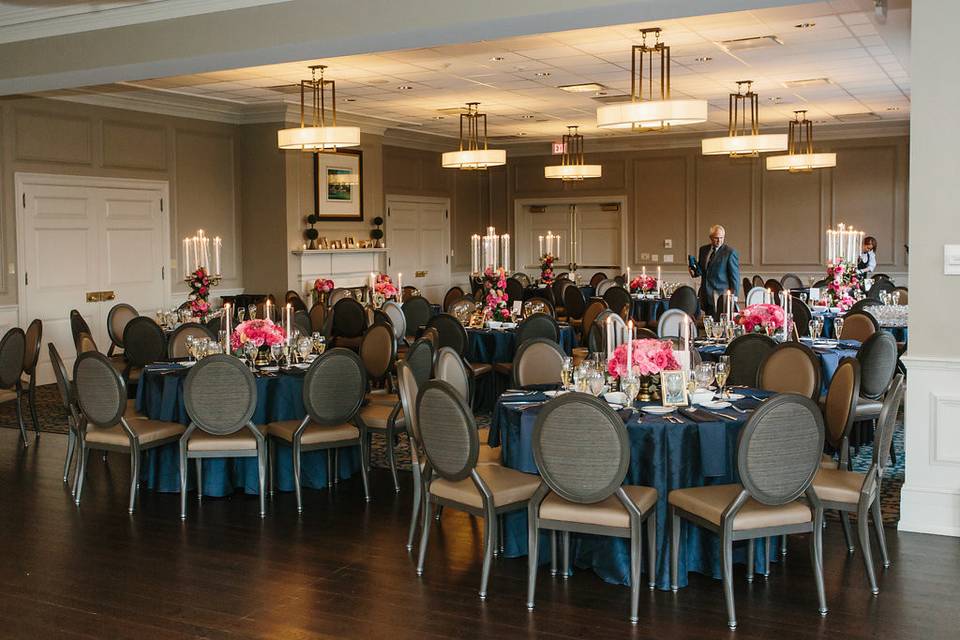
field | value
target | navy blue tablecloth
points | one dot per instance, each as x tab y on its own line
500	345
899	333
649	309
160	397
663	455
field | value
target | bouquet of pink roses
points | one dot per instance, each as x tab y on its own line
495	295
643	283
756	317
546	269
321	285
199	307
258	331
384	286
648	357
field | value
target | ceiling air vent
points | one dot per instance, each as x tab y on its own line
756	42
620	97
806	82
865	116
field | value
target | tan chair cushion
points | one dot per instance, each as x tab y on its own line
489	455
709	503
606	513
828	462
481	368
508	486
837	485
376	415
504	368
147	430
867	409
382	397
131	410
314	433
241	440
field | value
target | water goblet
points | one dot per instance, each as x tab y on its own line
721	372
304	347
566	372
276	350
895	296
704	374
595	379
250	351
630	385
708	326
838	328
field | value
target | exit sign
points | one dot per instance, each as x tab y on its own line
559	148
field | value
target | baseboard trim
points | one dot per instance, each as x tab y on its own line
929	510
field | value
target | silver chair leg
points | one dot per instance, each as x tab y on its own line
727	551
23	428
198	463
183	480
863	531
816	556
392	459
553	553
565	553
424	532
674	549
767	546
636	561
533	555
272	464
81	471
330	475
336	466
134	476
417	498
652	550
751	559
783	545
363	469
878	526
845	524
76	467
489	542
262	475
32	397
295	448
71	445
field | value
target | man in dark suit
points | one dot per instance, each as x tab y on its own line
718	267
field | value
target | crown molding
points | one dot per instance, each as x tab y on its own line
32	23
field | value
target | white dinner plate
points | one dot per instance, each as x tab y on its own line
733	397
716	405
187	363
658	411
270	369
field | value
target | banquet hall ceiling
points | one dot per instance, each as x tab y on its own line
835	59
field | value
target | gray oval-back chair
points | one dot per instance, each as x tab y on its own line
409	387
777	456
220	395
791	367
68	402
417	312
12	349
108	424
538	362
582	451
31	355
746	353
384	417
853	492
333	390
177	342
538	325
453	478
117	318
670	323
878	363
143	343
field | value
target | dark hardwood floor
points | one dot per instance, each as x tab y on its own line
341	570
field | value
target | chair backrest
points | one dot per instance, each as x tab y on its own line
538	305
581	448
409	292
604	285
419	360
453	294
448	432
878	362
523	278
117	318
408	388
378	351
451	369
801	316
12	348
840	405
539	325
417	312
791	367
595	308
880	285
780	448
791	281
685	299
177	342
514	290
452	334
774	285
758	281
31	349
559	286
214	324
618	300
463	309
349	318
597	278
144	342
220	394
397	320
670	323
858	325
86	343
295	301
904	295
431	335
301	322
63	380
334	387
100	391
574	302
339	294
861	305
78	326
887	422
538	361
318	316
747	285
755	296
746	353
597	340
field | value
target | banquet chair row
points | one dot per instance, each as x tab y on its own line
19	353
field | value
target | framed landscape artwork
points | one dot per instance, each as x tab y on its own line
338	185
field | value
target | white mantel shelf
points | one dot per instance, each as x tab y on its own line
310	252
346	267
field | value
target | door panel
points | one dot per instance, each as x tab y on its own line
555	219
419	235
132	233
598	237
434	249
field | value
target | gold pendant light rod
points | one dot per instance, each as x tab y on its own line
314	134
472	153
800	157
572	165
743	139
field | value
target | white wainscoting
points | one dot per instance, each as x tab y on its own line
930	499
346	267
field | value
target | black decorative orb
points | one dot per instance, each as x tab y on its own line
376	234
378	221
311	234
313	218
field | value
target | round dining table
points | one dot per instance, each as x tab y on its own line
898	330
687	449
279	397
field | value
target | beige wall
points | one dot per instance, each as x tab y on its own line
775	219
197	158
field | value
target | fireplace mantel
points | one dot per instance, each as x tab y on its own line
346	267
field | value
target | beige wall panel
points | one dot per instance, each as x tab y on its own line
660	203
403	170
725	196
528	177
865	194
129	145
790	229
263	200
470	202
52	137
613	179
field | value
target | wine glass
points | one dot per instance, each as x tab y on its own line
595	379
838	328
276	350
631	387
319	342
895	296
721	372
580	377
252	311
704	374
191	343
818	327
250	351
304	347
708	326
566	372
770	327
240	312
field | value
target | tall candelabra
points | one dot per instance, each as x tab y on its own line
490	251
844	244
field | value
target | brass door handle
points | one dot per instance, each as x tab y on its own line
93	296
107	295
421	274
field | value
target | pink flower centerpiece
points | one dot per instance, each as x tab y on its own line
261	332
384	286
843	282
322	285
495	298
199	283
643	283
649	357
756	317
546	269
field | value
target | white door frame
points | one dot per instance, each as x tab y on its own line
521	221
445	202
22	179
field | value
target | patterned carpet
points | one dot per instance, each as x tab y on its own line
53	420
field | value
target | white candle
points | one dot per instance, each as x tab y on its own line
399	286
540	240
217	244
505	241
227	321
628	278
288	321
686	334
644	271
658	279
609	333
630	348
266	311
186	255
373	280
768	297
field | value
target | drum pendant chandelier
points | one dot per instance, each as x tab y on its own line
648	110
800	157
743	137
572	167
313	135
473	154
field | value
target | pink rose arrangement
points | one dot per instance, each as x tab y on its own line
648	356
199	307
643	283
495	295
843	282
199	283
261	332
384	286
546	269
756	317
321	285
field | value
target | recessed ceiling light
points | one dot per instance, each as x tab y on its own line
527	116
521	133
775	99
893	108
702	59
349	99
404	87
804	25
542	74
496	59
585	87
439	117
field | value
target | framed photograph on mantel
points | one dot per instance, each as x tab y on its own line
338	185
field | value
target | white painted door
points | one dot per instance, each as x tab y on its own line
75	239
598	236
591	234
418	237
